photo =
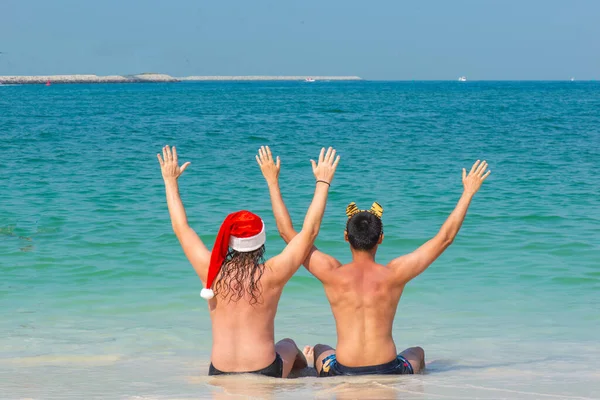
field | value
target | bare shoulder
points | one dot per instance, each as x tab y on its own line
399	261
335	275
275	272
270	265
402	268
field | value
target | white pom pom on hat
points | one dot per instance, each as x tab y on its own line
207	294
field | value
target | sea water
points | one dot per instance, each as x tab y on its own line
97	299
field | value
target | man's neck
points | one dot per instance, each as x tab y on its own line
362	256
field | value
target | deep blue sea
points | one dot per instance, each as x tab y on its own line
97	299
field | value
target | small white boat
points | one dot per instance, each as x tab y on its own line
462	79
572	79
309	80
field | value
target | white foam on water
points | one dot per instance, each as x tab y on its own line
185	378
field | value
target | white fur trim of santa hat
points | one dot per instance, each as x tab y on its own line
251	243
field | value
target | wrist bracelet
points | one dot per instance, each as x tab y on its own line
319	180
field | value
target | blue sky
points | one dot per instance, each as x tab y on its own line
403	40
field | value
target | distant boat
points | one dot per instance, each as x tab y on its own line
309	80
572	79
462	79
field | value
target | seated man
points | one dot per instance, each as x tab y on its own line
363	294
246	288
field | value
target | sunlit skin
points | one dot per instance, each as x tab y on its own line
243	333
363	294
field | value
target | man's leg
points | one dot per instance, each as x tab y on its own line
291	355
416	357
320	351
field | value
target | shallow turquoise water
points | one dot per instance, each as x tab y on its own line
96	292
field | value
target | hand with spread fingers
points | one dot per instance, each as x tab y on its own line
477	175
325	168
269	168
169	164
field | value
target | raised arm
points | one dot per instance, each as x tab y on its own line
300	244
192	245
270	170
317	262
411	265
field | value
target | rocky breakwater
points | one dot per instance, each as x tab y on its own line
42	79
270	78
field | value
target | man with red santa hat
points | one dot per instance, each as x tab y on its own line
241	288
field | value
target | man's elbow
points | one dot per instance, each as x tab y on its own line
446	239
286	237
287	234
448	242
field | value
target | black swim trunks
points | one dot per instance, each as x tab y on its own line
275	369
398	366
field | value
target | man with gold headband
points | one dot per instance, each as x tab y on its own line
363	294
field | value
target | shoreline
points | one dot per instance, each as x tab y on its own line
156	78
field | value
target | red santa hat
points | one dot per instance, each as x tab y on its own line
243	231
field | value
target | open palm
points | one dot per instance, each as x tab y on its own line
169	164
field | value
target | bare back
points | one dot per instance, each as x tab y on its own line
364	297
243	334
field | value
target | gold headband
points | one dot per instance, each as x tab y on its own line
376	210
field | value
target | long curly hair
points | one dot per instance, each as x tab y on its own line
240	275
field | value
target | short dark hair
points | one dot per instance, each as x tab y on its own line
364	230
